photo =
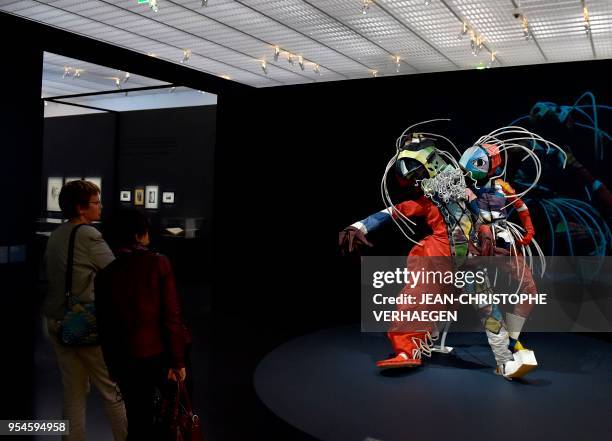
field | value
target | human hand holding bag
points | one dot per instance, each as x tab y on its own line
184	425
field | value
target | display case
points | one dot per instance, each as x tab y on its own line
182	227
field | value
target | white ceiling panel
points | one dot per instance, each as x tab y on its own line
233	37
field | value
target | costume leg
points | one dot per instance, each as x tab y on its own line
516	320
510	365
411	340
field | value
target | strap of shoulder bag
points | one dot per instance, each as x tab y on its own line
70	261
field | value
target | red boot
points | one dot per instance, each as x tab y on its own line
409	347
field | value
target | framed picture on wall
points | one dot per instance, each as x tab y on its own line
139	196
125	196
151	194
168	197
97	181
54	186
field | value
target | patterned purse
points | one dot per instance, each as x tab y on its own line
79	327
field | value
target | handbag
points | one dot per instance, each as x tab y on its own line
79	326
181	422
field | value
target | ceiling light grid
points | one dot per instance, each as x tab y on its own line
193	22
54	65
438	26
601	27
433	22
389	37
502	32
26	7
151	32
185	28
300	15
233	37
266	32
136	42
559	29
51	88
493	20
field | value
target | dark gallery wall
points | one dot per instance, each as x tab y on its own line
174	149
311	163
79	146
316	168
171	148
21	146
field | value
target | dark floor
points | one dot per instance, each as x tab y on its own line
48	390
257	381
327	385
223	392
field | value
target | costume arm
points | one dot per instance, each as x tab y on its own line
383	217
521	209
374	221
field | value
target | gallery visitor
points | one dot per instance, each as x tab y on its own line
79	365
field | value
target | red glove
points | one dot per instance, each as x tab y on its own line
528	225
351	240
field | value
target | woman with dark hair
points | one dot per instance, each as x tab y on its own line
79	365
143	338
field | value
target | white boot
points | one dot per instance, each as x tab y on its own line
521	364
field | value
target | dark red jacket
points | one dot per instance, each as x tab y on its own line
138	310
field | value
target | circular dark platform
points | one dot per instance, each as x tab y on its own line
327	385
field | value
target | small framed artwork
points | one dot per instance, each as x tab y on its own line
125	196
97	181
168	197
139	196
151	195
54	186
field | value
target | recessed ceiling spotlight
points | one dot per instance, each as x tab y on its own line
492	60
365	6
204	3
525	24
464	31
585	14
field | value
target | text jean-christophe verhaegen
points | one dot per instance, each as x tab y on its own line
453	280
